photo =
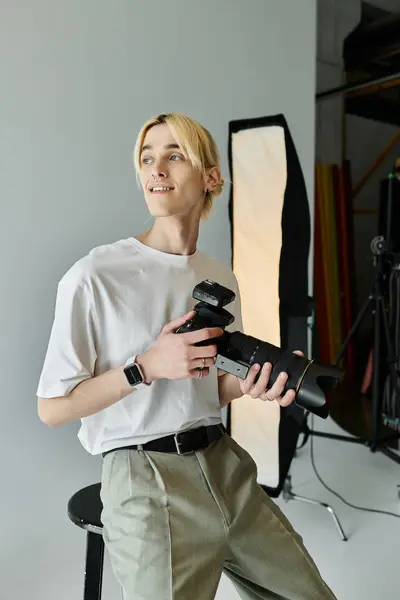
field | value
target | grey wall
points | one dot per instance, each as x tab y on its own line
78	80
335	20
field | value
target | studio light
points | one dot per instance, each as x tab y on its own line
270	234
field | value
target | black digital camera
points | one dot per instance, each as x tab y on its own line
237	352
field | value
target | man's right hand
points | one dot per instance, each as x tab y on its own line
175	356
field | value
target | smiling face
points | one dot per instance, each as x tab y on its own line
171	185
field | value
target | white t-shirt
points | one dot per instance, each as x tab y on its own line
111	305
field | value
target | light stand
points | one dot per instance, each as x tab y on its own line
380	253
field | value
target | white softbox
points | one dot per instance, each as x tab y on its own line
270	236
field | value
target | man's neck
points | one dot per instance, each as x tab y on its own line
172	236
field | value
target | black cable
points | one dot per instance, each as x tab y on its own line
373	510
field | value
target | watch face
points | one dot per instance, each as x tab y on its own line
133	375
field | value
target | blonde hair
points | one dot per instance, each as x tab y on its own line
196	142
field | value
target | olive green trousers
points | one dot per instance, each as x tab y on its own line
172	524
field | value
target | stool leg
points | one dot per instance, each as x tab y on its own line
94	566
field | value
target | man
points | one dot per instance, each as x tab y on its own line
178	508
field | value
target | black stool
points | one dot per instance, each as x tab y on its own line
84	509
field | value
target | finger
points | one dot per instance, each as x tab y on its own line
298	352
203	351
198	373
287	398
247	384
201	335
199	364
176	323
261	385
278	388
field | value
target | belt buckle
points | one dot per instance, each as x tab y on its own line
178	445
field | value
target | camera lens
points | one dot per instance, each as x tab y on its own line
251	350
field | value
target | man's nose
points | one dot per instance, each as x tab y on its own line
159	169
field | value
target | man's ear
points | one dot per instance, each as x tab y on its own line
212	177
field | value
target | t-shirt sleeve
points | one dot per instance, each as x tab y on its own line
71	354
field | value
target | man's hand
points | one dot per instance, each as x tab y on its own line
175	356
259	389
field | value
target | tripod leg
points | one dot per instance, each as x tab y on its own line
287	494
353	329
328	508
375	371
391	358
304	428
380	312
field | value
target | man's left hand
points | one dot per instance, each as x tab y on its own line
259	389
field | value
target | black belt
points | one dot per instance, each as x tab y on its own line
184	442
